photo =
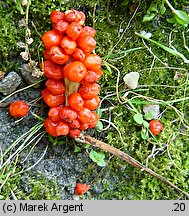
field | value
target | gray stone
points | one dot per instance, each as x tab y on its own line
27	72
10	83
152	108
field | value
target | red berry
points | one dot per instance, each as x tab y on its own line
94	120
61	26
80	188
58	55
74	30
56	87
52	70
86	43
78	55
68	45
75	124
74	133
18	109
75	71
75	101
54	114
89	91
47	54
84	115
55	16
62	128
68	114
50	127
93	103
91	77
51	38
88	31
84	126
52	100
93	62
75	16
155	127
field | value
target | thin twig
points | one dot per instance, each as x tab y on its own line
99	144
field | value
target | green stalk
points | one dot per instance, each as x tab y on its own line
122	52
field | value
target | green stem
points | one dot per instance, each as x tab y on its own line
170	6
27	11
122	52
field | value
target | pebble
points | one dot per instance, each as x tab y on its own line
10	83
152	108
131	80
26	72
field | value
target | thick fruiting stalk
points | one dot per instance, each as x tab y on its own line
71	87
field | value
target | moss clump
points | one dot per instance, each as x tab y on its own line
30	187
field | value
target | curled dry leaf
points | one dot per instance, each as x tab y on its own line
29	41
2	74
24	55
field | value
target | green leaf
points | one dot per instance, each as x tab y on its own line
145	124
162	10
153	8
86	146
138	118
181	17
77	149
149	115
52	140
144	134
97	157
1	197
125	2
172	20
99	126
148	17
101	163
19	7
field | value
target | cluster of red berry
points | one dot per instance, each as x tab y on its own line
73	72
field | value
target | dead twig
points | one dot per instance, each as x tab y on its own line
99	144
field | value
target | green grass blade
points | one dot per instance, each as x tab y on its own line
122	52
172	51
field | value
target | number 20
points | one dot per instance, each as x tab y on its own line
179	207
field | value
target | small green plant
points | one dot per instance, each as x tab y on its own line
98	158
140	119
179	17
153	10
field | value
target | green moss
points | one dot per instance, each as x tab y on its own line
30	187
